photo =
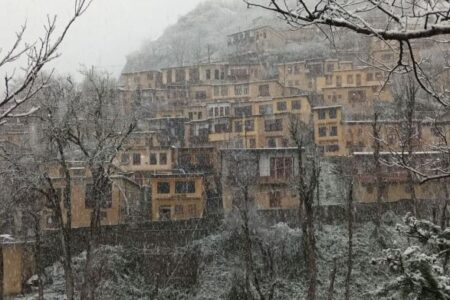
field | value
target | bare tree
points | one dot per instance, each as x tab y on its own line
98	132
243	175
376	132
307	183
31	171
21	89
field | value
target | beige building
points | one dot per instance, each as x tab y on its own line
268	173
258	39
356	90
121	204
177	196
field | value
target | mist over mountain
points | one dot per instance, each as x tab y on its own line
198	36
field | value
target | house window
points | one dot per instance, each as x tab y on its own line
322	115
265	109
222	110
125	159
136	159
191	115
330	68
199	115
208	74
252	143
105	200
349	79
200	95
216	91
358	79
224	91
153	160
264	90
165	213
296	104
227	111
185	187
328	79
271	143
163	187
163	158
356	95
338	80
332	148
274	199
322	131
332	113
238	126
216	74
273	125
241	89
220	128
249	125
369	76
242	111
391	139
281	167
333	131
192	209
378	76
178	209
281	106
211	112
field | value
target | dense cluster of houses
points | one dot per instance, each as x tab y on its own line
199	124
193	121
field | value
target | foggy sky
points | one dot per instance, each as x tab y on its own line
103	36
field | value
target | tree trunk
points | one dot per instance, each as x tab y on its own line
443	220
330	293
37	257
100	184
68	271
412	191
350	244
311	251
2	275
378	177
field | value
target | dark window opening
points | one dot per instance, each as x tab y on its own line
185	187
163	187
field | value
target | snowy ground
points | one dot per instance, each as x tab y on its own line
221	268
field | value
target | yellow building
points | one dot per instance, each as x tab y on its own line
151	79
337	136
356	90
18	264
268	173
328	130
295	74
252	124
177	196
120	205
395	185
144	152
258	39
191	112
